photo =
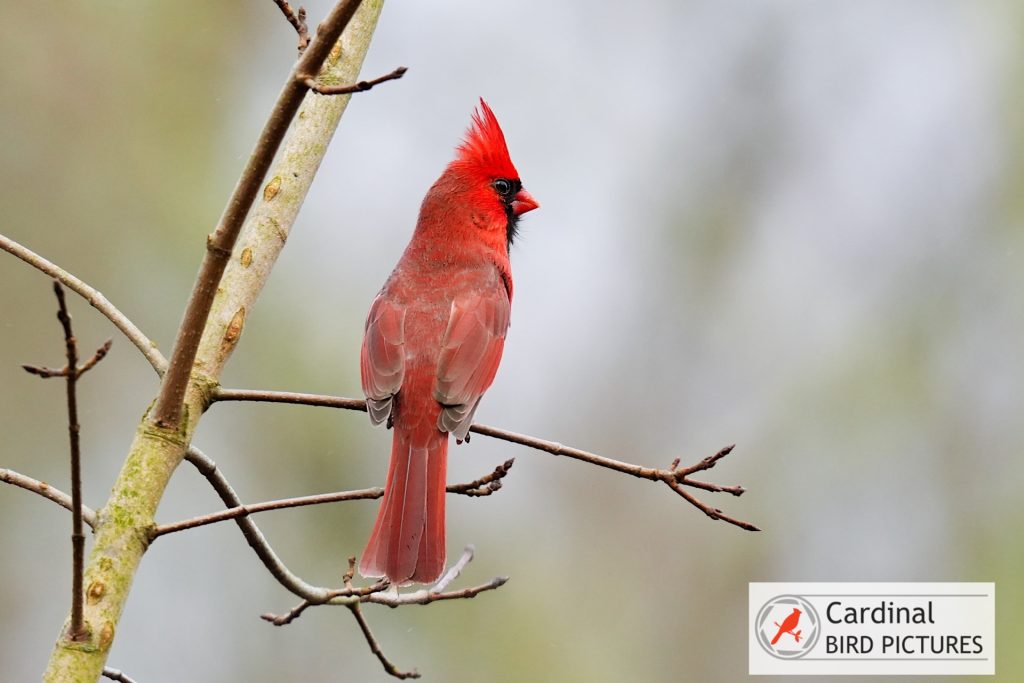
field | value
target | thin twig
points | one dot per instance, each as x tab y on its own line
94	297
116	675
375	647
85	367
46	491
347	592
245	510
349	596
208	468
295	398
361	86
674	477
364	626
376	594
168	410
298	22
77	630
484	486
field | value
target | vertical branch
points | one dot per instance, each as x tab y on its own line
76	630
225	289
220	244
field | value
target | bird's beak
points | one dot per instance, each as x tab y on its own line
523	202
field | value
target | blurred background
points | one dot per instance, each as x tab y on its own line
795	226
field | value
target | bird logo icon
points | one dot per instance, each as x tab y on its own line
787	626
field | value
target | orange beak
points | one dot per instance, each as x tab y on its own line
523	202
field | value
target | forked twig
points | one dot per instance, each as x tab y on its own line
676	479
484	486
353	598
361	86
298	21
77	630
95	298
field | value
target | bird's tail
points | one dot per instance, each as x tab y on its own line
407	544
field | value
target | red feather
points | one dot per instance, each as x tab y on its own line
433	342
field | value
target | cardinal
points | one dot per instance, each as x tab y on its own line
787	626
433	340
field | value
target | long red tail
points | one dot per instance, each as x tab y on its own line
407	543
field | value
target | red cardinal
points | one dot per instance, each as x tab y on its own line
433	341
787	626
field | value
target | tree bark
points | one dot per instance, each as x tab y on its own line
124	523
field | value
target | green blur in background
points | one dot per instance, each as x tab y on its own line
794	226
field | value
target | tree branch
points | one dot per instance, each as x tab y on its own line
47	373
77	630
361	86
94	297
484	486
375	648
674	477
354	598
253	508
257	541
208	468
220	244
46	491
298	22
122	535
116	675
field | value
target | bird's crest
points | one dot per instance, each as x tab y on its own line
484	145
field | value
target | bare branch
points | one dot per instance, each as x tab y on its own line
46	491
116	675
298	22
673	477
257	396
245	510
484	486
353	598
156	450
77	630
94	297
361	86
47	373
100	354
347	592
208	468
376	649
168	410
377	593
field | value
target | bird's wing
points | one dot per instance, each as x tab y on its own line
470	352
382	360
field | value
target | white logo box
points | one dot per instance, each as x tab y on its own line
872	628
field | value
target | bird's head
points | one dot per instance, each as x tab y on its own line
487	175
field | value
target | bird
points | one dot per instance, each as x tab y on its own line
432	343
787	626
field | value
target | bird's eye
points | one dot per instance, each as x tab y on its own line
503	187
